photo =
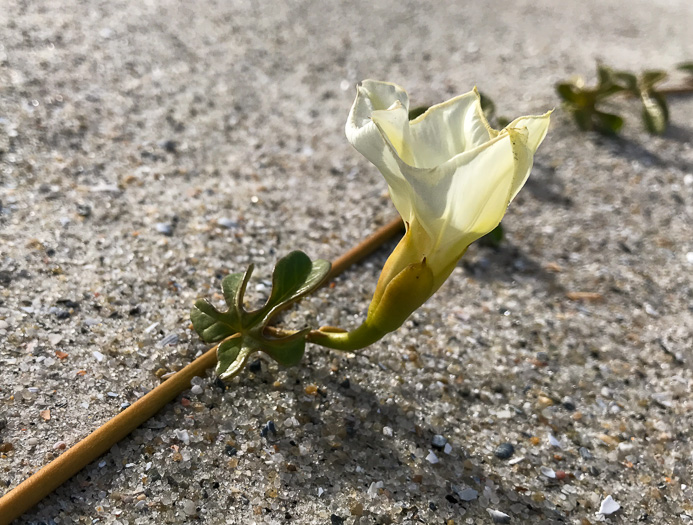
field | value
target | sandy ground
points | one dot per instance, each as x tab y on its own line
148	148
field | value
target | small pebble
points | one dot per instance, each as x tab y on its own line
60	445
269	427
183	436
97	355
438	442
542	357
255	366
608	506
467	494
505	450
548	472
569	405
554	442
169	340
227	223
196	390
447	448
169	145
498	516
165	228
83	210
188	507
387	431
432	458
585	453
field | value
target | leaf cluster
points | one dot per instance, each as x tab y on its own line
586	104
240	332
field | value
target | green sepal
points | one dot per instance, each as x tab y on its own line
494	238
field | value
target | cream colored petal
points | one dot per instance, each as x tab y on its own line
373	96
394	125
448	129
465	198
372	143
537	127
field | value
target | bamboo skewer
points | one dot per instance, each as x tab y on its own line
32	490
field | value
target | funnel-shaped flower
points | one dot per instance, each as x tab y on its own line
451	177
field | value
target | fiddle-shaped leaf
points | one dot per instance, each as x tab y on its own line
294	276
213	325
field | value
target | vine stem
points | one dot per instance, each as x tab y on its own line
28	493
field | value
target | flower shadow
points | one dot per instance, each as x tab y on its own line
371	440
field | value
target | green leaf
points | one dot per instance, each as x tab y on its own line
232	355
417	112
287	351
605	75
648	79
213	325
628	80
686	66
583	118
294	276
607	123
655	113
608	82
231	287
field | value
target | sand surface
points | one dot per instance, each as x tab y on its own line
149	148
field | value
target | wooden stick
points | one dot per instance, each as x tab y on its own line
28	493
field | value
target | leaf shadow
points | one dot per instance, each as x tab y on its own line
631	149
358	452
545	187
508	263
